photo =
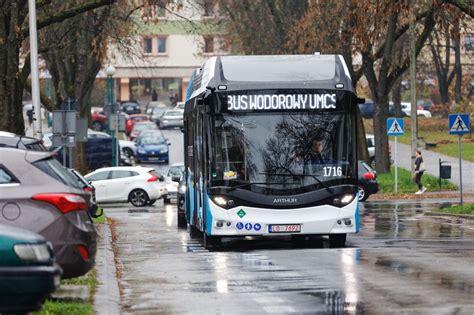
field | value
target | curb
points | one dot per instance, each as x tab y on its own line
107	296
456	215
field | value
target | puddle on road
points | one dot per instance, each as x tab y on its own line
407	220
439	279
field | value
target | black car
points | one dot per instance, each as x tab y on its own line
367	110
368	184
181	208
130	108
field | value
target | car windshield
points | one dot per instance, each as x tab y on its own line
176	171
287	150
173	113
54	169
140	127
152	139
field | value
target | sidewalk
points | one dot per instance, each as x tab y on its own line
431	159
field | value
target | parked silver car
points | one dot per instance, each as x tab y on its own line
38	194
171	118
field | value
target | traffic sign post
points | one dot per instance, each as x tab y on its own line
396	128
459	125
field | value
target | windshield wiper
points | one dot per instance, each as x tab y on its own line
231	188
329	189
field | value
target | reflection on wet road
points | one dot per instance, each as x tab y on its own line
402	260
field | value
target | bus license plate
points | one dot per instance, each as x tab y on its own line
284	228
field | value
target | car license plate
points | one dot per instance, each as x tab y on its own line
284	228
153	159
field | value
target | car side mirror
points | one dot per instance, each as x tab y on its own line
161	178
169	143
182	129
176	178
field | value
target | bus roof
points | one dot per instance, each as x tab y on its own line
272	72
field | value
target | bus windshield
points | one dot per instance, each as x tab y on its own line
281	150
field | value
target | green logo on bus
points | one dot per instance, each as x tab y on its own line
241	213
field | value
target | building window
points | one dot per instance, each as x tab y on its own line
469	43
152	13
208	44
161	41
148	45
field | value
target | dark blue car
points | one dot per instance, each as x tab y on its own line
152	147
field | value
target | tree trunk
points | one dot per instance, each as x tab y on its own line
382	164
11	88
397	97
457	66
362	149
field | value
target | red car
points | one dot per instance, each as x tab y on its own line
98	121
132	119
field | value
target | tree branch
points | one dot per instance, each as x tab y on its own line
463	6
64	15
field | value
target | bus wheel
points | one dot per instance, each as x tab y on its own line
337	240
182	221
211	241
194	232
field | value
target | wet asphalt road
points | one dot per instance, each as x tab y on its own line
402	261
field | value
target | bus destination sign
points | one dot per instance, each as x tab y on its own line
280	102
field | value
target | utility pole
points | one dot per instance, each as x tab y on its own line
35	95
413	111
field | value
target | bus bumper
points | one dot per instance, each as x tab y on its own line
248	221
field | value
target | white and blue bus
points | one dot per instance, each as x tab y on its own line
270	148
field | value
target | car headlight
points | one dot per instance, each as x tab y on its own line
141	151
165	150
182	189
33	252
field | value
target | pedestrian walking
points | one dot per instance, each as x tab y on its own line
419	170
29	113
154	96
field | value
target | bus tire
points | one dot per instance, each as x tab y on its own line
182	222
211	242
194	232
337	240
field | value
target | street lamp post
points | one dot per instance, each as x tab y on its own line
110	71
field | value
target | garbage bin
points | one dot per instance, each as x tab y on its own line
445	171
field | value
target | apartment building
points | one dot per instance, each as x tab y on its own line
169	44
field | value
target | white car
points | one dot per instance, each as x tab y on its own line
406	108
175	172
371	146
141	186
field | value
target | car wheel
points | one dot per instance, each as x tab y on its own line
97	126
138	198
337	240
363	193
128	152
181	221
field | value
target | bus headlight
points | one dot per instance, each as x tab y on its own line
346	199
224	202
343	200
221	201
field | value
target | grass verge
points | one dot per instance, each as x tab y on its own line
67	306
464	209
100	220
405	184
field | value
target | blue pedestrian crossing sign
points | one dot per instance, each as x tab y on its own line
459	124
395	127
